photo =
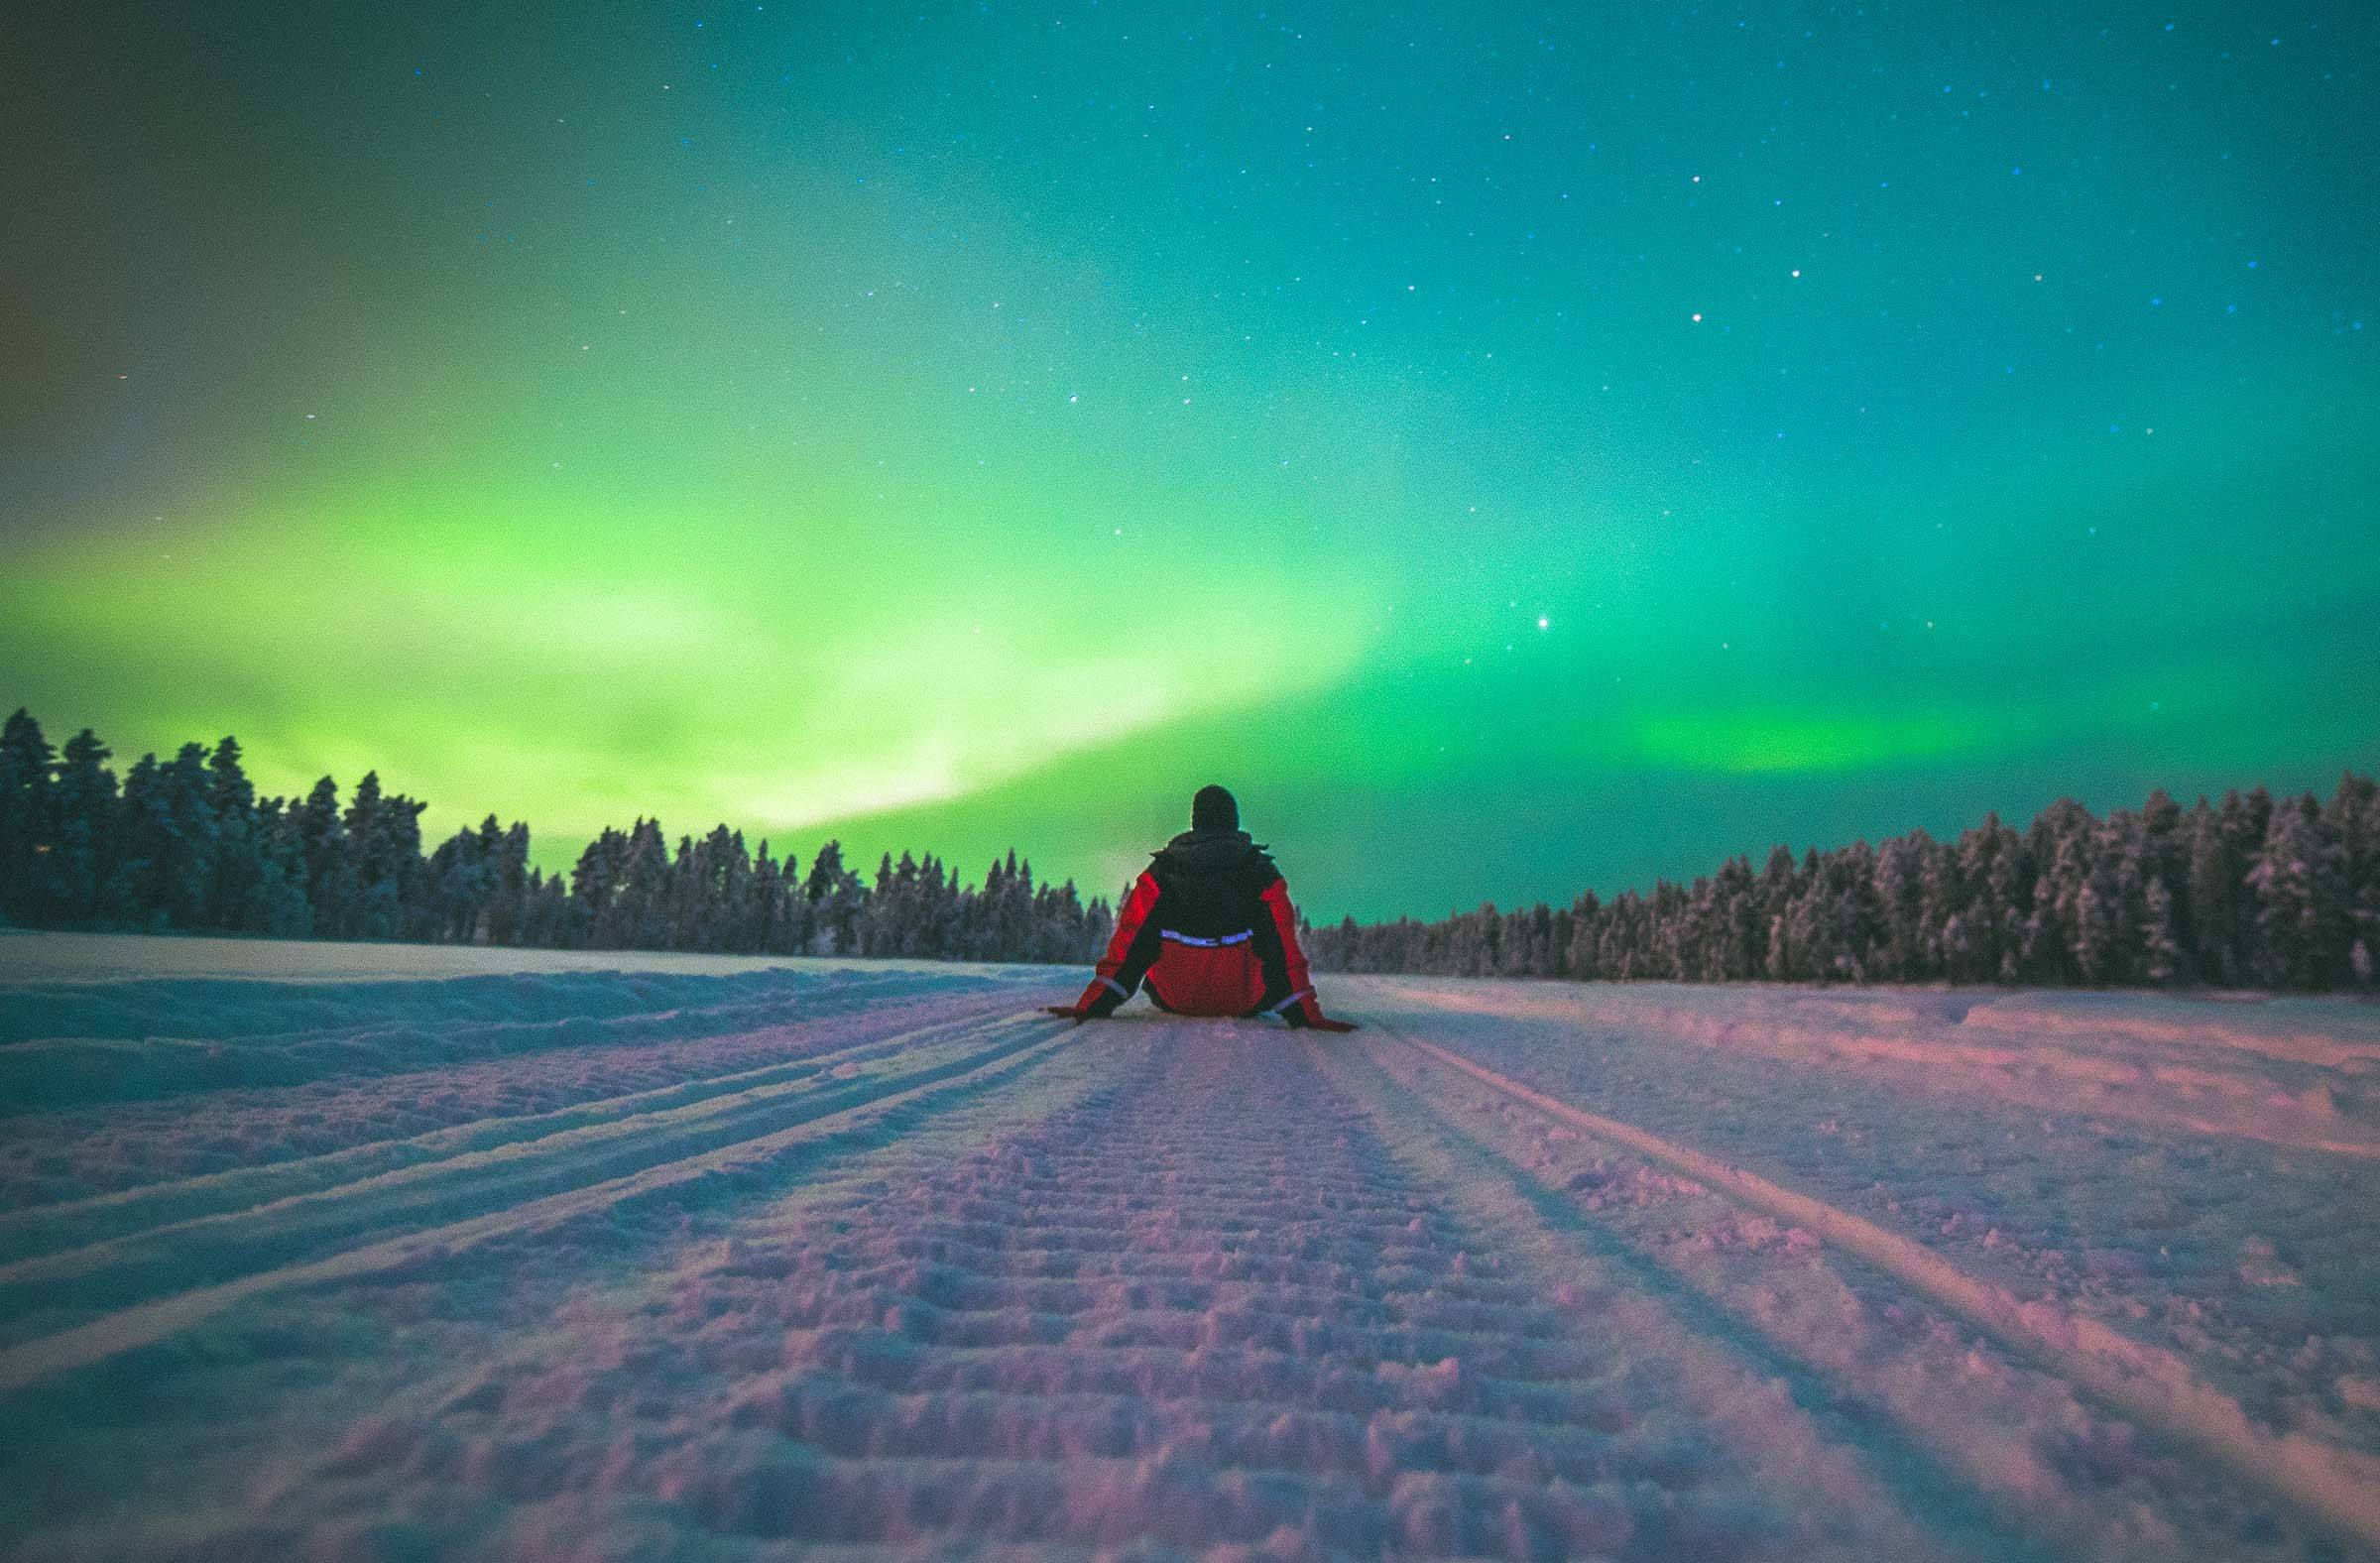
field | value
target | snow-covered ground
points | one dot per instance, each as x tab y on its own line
373	1252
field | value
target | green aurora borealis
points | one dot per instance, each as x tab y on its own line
963	426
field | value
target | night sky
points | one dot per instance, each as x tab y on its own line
1517	450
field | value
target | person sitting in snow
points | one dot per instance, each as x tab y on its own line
1209	925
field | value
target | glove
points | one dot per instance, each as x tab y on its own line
1297	1019
1072	1011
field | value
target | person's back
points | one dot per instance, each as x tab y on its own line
1209	927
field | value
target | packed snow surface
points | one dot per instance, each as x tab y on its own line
318	1250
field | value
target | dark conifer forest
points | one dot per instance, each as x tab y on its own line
2251	893
185	845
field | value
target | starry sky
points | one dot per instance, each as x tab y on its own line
1518	448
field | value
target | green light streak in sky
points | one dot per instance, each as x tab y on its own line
974	429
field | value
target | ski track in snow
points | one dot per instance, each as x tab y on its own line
847	1260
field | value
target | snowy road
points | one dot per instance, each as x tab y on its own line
310	1250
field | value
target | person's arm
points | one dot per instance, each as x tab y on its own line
1288	984
1132	950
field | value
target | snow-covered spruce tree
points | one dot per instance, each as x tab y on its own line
834	896
383	843
2161	948
186	859
2353	813
25	816
762	915
508	892
638	911
594	877
231	799
2164	860
2301	926
329	872
2211	918
277	904
82	810
2244	820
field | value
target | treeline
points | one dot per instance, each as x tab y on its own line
187	845
2251	893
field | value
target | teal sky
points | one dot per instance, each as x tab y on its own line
1517	450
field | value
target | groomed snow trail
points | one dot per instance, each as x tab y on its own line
1899	1338
506	1172
867	1262
1208	1305
2335	1487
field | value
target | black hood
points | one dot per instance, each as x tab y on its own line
1212	854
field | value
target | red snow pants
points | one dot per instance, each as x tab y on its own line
1197	979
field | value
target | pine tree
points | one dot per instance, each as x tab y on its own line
1777	885
25	816
756	920
1989	861
835	896
596	877
330	882
634	914
276	902
185	870
508	889
458	877
375	913
127	898
2246	820
2353	814
2165	846
880	929
2300	910
944	931
83	813
383	843
2161	947
238	864
1898	888
2090	925
2212	917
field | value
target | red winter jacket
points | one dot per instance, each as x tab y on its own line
1209	926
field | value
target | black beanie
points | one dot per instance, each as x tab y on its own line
1214	809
